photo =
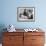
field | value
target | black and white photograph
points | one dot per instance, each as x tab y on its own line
26	14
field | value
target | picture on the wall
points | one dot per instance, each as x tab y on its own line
26	14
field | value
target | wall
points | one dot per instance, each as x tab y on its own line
8	13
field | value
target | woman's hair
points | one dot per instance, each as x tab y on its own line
25	13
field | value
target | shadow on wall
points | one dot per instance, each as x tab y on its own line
2	26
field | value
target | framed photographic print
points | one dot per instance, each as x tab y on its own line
26	14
